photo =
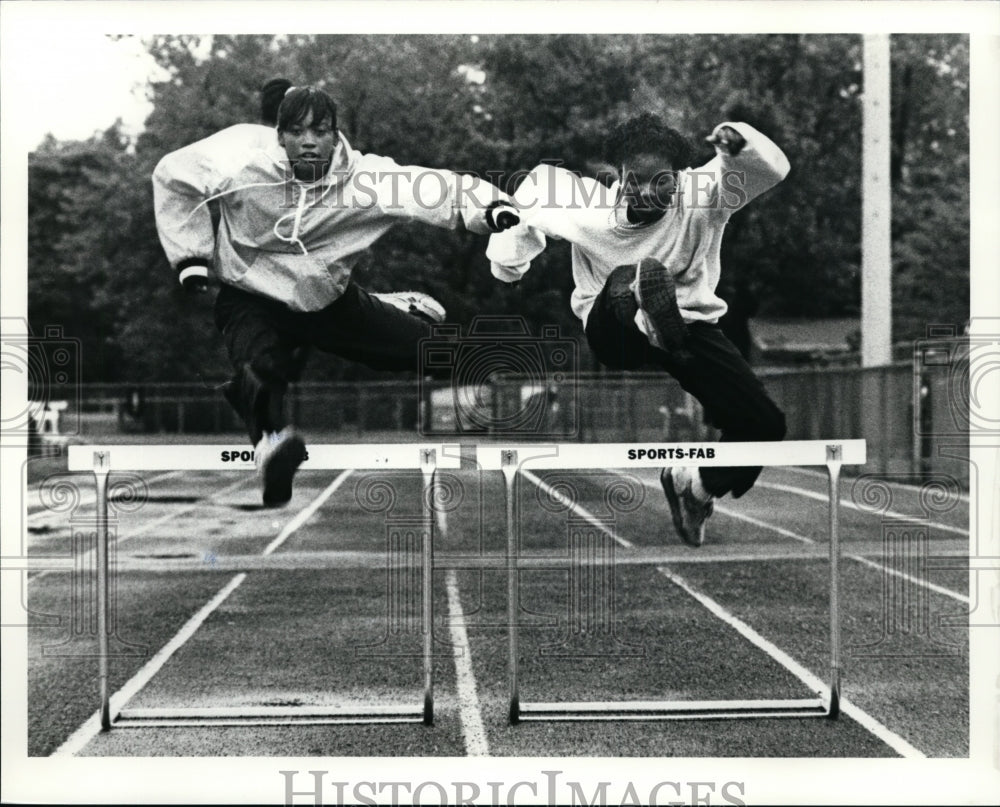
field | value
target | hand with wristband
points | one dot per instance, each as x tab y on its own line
193	276
502	216
727	139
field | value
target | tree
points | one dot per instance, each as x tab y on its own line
497	106
930	171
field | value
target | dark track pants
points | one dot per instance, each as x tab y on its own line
264	337
733	398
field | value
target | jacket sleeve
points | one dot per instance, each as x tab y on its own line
733	180
184	180
431	195
510	252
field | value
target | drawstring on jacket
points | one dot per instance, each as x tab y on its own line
296	214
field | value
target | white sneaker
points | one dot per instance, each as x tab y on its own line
416	303
687	510
277	457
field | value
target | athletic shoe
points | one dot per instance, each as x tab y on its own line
688	512
657	295
416	303
278	456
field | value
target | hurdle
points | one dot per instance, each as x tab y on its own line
104	460
513	460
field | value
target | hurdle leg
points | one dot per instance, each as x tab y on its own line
428	461
834	457
508	466
101	469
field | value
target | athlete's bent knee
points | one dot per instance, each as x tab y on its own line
271	367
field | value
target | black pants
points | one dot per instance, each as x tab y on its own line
733	398
264	338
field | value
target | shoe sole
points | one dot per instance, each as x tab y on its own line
667	483
280	471
658	299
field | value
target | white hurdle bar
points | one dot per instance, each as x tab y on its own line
511	460
106	459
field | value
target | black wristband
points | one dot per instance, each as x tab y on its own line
510	211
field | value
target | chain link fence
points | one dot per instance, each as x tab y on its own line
907	415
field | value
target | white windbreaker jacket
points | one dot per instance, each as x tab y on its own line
556	203
292	241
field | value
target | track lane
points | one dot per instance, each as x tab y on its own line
339	524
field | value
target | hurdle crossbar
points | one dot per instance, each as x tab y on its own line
513	460
102	461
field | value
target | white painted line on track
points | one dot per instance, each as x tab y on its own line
304	515
568	502
907	486
156	522
758	523
849	555
465	681
822	497
885	734
92	727
890	738
947	592
87	497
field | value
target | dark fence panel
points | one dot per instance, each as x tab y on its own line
914	423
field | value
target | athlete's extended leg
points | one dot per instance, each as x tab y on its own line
263	353
714	372
366	328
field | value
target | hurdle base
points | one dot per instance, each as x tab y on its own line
268	716
670	710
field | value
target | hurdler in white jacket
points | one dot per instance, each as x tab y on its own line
285	250
645	291
556	203
291	241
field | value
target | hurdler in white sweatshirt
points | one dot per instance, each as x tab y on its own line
292	241
557	203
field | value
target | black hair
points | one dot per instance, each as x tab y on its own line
271	95
646	133
300	101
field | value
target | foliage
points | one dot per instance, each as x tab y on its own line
497	105
930	167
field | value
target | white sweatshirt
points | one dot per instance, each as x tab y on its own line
292	241
556	203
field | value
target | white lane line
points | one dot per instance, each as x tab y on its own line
885	734
87	497
910	488
566	501
757	523
92	727
469	710
849	555
910	578
303	516
465	680
822	497
156	522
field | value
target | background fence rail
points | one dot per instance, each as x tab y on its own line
912	420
